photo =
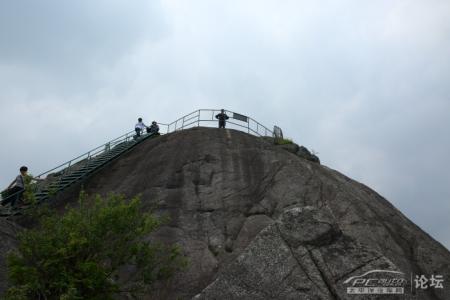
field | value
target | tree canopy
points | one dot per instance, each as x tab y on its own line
79	255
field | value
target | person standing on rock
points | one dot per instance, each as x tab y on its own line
222	118
139	127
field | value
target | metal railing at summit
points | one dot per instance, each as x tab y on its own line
207	117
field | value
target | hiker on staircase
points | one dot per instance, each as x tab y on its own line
153	129
16	189
139	127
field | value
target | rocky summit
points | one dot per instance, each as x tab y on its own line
261	221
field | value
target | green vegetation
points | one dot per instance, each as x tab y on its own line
28	195
283	141
30	188
79	255
4	194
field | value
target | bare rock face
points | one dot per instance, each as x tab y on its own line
308	226
259	222
303	255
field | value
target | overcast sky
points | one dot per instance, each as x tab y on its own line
364	83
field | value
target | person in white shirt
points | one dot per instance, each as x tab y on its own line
139	127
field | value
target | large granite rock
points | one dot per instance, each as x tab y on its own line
258	222
304	255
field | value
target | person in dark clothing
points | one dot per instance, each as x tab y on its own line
154	128
222	118
16	188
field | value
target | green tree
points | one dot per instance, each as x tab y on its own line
79	255
30	189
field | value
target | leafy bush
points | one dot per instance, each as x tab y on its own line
30	189
283	141
79	255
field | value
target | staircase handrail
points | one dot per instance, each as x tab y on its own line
90	153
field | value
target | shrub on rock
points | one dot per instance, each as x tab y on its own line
79	255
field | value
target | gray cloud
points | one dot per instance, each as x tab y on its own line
62	44
363	83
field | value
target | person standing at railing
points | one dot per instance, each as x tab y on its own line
222	118
139	127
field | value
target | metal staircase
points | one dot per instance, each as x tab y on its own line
63	176
72	175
